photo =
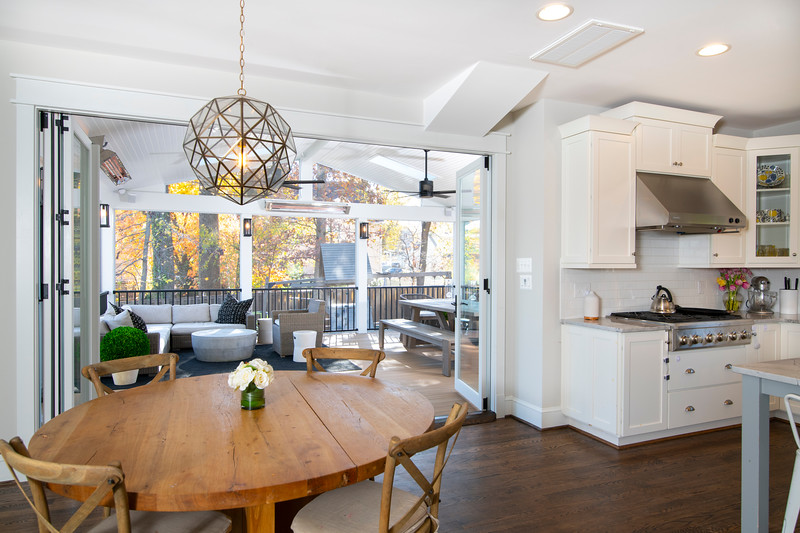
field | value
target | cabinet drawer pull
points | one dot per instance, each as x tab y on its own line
728	402
689	409
689	371
728	366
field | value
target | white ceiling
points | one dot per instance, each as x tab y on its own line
465	62
415	48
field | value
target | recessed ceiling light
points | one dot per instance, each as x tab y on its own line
713	49
552	12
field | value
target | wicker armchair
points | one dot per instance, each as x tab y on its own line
286	322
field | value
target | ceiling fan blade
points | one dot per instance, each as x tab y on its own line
303	182
444	192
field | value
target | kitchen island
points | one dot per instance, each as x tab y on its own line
759	382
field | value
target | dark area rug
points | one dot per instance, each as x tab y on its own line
189	366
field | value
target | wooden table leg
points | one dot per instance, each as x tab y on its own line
260	519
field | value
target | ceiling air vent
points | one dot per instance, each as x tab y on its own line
586	43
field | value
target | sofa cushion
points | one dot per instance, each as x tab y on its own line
214	309
233	311
153	314
191	313
138	322
163	331
120	320
187	328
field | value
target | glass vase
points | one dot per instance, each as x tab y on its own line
732	301
253	398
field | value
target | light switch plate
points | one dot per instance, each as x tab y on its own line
524	264
526	282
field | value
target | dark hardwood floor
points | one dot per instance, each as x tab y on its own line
506	476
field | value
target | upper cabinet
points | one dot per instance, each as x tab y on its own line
598	194
669	140
773	201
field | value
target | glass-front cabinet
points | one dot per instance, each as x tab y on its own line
774	213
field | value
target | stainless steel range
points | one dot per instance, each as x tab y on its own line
692	328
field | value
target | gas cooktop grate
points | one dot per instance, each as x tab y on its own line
681	314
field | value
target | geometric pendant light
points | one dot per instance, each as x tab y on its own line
238	147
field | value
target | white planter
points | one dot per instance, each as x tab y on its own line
127	377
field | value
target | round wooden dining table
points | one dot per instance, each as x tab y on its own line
187	445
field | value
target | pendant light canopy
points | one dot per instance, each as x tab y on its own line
238	147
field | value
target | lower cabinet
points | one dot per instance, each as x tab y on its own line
626	388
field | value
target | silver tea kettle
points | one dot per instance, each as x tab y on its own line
662	301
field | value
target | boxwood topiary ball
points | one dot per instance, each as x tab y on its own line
124	342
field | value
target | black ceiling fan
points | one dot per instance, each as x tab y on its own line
426	186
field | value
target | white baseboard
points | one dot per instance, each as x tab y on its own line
535	415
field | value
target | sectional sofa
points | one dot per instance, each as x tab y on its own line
170	327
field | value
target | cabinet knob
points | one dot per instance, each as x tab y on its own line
689	409
715	254
728	402
794	254
728	366
689	371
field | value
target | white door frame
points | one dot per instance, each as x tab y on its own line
75	97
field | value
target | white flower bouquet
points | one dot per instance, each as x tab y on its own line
254	374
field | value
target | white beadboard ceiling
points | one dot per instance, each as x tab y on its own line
153	155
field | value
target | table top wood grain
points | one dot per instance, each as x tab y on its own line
188	445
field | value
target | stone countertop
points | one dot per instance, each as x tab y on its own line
613	325
782	370
624	327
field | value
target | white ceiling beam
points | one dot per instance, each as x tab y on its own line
474	102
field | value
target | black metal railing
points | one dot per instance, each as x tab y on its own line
175	296
340	302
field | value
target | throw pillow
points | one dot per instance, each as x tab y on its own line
233	311
122	319
138	322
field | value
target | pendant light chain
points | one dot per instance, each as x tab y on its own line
241	90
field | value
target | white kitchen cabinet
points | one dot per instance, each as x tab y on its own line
773	205
790	341
670	140
598	194
673	148
613	383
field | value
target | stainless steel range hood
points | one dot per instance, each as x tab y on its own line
684	205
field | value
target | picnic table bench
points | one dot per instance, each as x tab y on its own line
432	334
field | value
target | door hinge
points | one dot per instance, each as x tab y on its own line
44	292
666	377
486	286
62	124
486	162
43	119
486	404
62	287
62	215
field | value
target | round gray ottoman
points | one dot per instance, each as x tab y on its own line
217	345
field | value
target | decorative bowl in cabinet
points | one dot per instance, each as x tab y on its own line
770	175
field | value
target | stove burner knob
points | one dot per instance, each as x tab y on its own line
709	338
733	336
744	335
720	337
695	339
684	340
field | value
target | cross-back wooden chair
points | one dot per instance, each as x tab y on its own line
357	354
110	490
371	506
167	362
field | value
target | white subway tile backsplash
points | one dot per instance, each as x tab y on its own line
657	260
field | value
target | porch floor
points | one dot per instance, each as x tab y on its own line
419	368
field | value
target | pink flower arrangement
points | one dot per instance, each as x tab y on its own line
731	279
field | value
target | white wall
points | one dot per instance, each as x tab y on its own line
533	358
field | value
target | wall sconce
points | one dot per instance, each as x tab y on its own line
363	230
247	227
105	216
